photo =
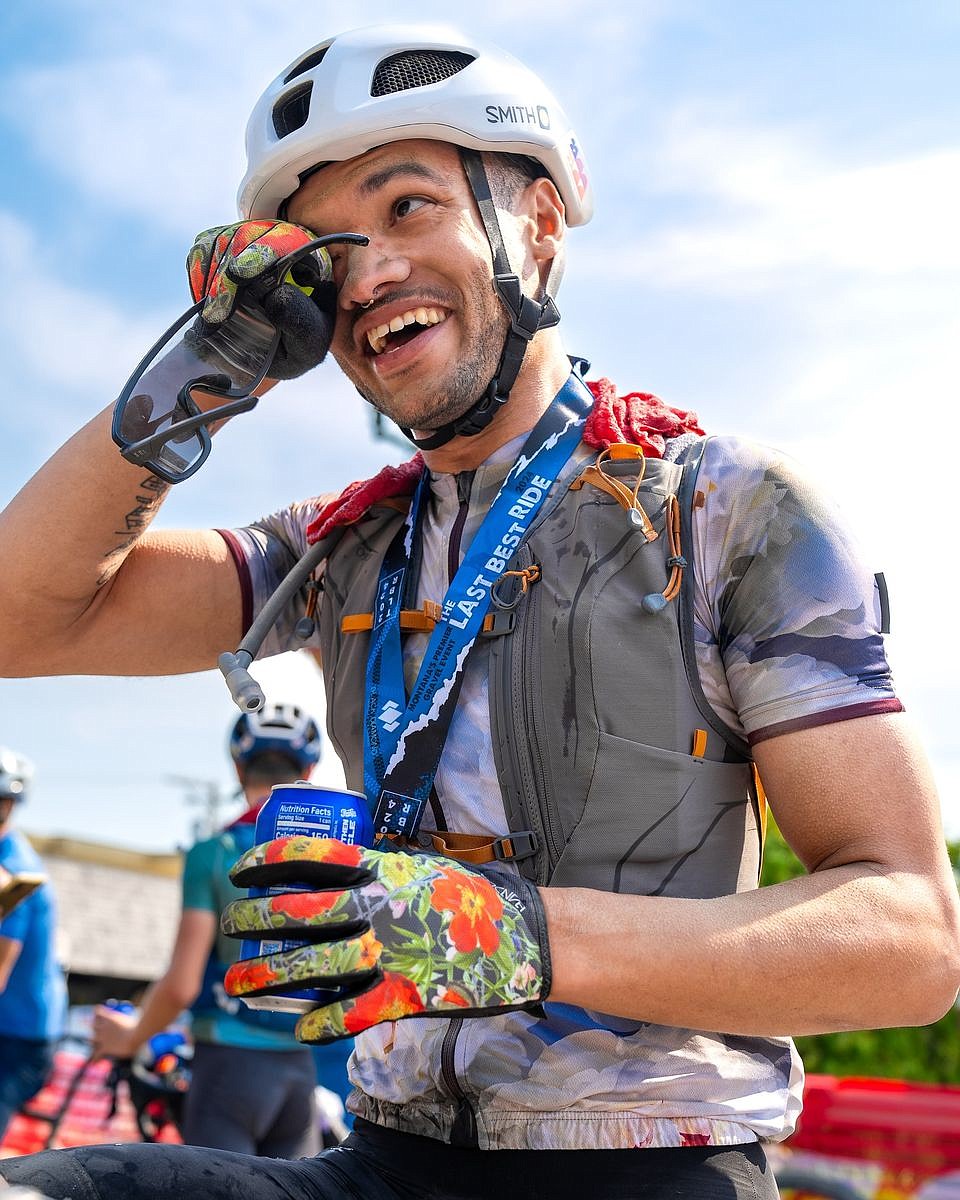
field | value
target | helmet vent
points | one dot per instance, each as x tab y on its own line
291	111
416	69
306	64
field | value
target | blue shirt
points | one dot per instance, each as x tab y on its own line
33	1005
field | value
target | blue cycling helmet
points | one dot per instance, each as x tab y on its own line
15	775
279	729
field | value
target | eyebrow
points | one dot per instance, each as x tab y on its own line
379	179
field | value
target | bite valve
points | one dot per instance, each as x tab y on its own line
654	602
246	692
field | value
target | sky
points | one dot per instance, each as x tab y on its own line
775	247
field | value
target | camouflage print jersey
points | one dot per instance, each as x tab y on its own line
787	629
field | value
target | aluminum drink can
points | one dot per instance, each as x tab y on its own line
304	809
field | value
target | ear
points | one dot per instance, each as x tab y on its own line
549	220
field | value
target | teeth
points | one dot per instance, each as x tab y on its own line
419	316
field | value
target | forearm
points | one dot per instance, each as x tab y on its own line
844	948
9	953
68	531
85	592
162	1003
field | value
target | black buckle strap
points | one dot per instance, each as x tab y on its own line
498	622
516	846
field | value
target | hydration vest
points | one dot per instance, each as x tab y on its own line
615	772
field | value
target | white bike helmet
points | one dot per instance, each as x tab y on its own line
278	728
15	775
391	83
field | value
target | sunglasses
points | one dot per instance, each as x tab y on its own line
157	422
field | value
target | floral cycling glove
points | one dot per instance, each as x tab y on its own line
391	934
229	261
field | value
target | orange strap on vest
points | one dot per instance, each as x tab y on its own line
423	620
478	848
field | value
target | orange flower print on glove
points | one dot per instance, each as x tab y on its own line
296	849
476	908
389	934
253	975
226	257
393	997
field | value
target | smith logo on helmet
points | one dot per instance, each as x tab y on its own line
519	114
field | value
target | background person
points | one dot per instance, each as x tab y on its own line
597	970
33	993
252	1085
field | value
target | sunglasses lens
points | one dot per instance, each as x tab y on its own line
242	347
229	362
140	419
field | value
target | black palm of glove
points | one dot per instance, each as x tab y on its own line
306	325
231	262
388	934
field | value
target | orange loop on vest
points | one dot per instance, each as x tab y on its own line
526	576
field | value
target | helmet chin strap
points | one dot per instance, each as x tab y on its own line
527	317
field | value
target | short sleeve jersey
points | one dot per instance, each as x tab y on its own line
787	635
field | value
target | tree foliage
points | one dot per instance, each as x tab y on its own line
930	1053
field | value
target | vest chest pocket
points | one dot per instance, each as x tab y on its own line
657	822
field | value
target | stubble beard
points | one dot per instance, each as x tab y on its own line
450	398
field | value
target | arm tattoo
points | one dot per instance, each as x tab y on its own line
151	491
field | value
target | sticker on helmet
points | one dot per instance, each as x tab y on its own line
578	168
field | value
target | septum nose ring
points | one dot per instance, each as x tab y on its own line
373	298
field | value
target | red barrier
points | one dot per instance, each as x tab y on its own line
86	1121
908	1132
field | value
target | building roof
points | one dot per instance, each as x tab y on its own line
118	909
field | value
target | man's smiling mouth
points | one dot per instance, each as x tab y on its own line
403	327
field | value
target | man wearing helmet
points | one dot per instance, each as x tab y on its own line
559	671
33	994
252	1084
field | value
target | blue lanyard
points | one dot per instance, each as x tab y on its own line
403	738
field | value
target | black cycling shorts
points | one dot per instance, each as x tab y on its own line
380	1164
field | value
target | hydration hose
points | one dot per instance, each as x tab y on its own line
246	692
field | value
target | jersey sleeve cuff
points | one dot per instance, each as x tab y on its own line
243	574
830	716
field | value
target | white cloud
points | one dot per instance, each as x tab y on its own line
137	134
767	206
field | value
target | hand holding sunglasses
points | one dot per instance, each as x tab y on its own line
265	305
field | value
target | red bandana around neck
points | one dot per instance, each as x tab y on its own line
638	418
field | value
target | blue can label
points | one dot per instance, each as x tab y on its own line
304	810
